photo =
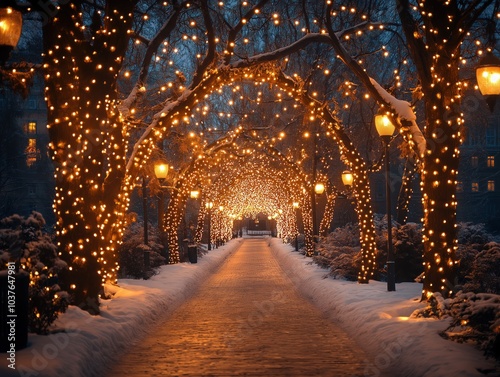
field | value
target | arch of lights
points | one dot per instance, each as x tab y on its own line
268	74
113	220
245	176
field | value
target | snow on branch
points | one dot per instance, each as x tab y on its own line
404	112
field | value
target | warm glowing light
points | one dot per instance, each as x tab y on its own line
384	125
161	170
347	178
319	188
488	75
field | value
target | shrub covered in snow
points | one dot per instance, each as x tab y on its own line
475	318
25	242
131	251
469	233
408	249
340	251
485	272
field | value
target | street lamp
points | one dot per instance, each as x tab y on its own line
319	188
488	78
385	129
161	172
11	23
296	208
209	206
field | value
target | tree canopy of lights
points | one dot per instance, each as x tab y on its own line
123	77
244	175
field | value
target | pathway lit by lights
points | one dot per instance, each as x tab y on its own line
246	320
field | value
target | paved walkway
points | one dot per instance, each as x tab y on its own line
246	320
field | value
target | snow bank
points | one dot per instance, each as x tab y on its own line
379	322
88	344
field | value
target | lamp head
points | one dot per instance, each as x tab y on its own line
488	75
347	178
384	126
161	170
319	188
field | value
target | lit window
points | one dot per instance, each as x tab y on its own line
491	185
32	127
31	152
460	187
475	186
474	161
491	161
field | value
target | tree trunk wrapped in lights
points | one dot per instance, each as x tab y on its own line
326	221
406	191
308	226
87	144
200	224
437	57
358	167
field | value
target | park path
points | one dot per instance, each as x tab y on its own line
246	320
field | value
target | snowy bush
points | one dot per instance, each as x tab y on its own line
476	318
347	264
131	251
24	241
340	252
485	272
469	233
466	255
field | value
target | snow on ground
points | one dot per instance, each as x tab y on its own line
378	320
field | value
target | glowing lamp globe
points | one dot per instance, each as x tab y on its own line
347	178
319	188
295	205
11	24
195	194
161	170
209	205
384	126
488	75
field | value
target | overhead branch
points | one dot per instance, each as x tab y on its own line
236	30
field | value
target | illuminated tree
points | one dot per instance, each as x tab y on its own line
436	34
122	77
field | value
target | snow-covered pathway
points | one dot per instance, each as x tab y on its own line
245	320
377	319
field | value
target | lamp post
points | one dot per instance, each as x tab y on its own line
11	23
209	205
385	129
319	188
161	172
296	208
488	78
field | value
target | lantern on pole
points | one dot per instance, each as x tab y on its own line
385	129
488	78
11	23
